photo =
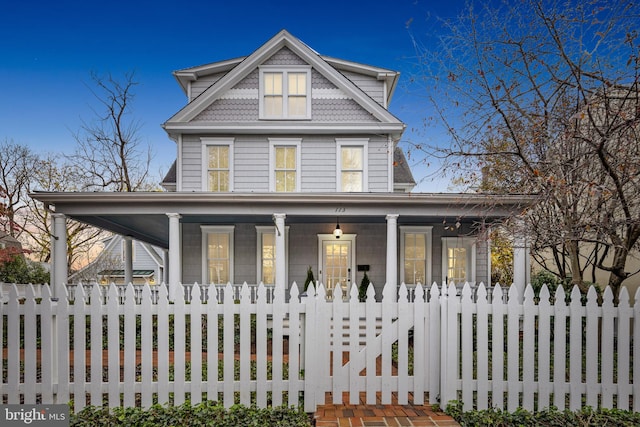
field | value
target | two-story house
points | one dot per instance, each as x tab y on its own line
288	159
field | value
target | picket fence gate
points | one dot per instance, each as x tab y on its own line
430	344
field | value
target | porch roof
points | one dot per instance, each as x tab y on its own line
142	215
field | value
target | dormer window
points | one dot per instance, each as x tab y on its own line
285	93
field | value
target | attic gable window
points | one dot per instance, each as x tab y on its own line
285	93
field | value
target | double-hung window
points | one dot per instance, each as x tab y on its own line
285	93
217	154
217	247
458	259
284	159
415	242
352	157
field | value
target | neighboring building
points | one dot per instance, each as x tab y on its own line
8	241
108	266
279	152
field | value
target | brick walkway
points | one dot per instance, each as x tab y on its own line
379	415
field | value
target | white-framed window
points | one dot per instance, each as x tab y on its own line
352	171
415	254
217	254
217	168
458	260
285	93
266	253
284	164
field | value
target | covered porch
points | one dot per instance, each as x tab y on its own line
274	238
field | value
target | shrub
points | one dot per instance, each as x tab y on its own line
15	268
204	414
586	416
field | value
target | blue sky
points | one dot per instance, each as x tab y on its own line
48	50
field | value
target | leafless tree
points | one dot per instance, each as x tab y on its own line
542	97
109	149
17	162
54	173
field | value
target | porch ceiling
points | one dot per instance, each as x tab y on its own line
143	215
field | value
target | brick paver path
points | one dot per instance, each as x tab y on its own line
378	415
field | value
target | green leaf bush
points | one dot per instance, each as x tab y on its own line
586	417
204	414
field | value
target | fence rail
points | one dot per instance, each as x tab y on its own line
133	346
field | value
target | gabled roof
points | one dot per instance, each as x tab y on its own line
238	69
191	74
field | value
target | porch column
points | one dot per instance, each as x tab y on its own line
165	267
521	273
175	273
281	266
59	255
392	253
128	260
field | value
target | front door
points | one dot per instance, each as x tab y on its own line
337	264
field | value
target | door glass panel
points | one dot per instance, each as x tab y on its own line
457	265
337	266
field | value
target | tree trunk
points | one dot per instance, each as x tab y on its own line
617	273
576	272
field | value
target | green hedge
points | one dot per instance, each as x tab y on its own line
204	414
548	417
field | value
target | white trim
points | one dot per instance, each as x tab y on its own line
179	164
246	93
428	231
329	93
280	142
212	141
353	142
458	242
220	229
270	229
284	70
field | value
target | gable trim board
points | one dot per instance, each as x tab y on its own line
389	77
284	127
180	121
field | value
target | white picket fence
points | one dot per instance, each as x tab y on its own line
252	346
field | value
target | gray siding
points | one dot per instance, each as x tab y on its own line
251	164
303	252
284	57
191	253
244	249
191	163
203	83
247	110
378	165
318	164
370	85
251	169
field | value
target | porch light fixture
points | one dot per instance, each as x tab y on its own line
337	232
